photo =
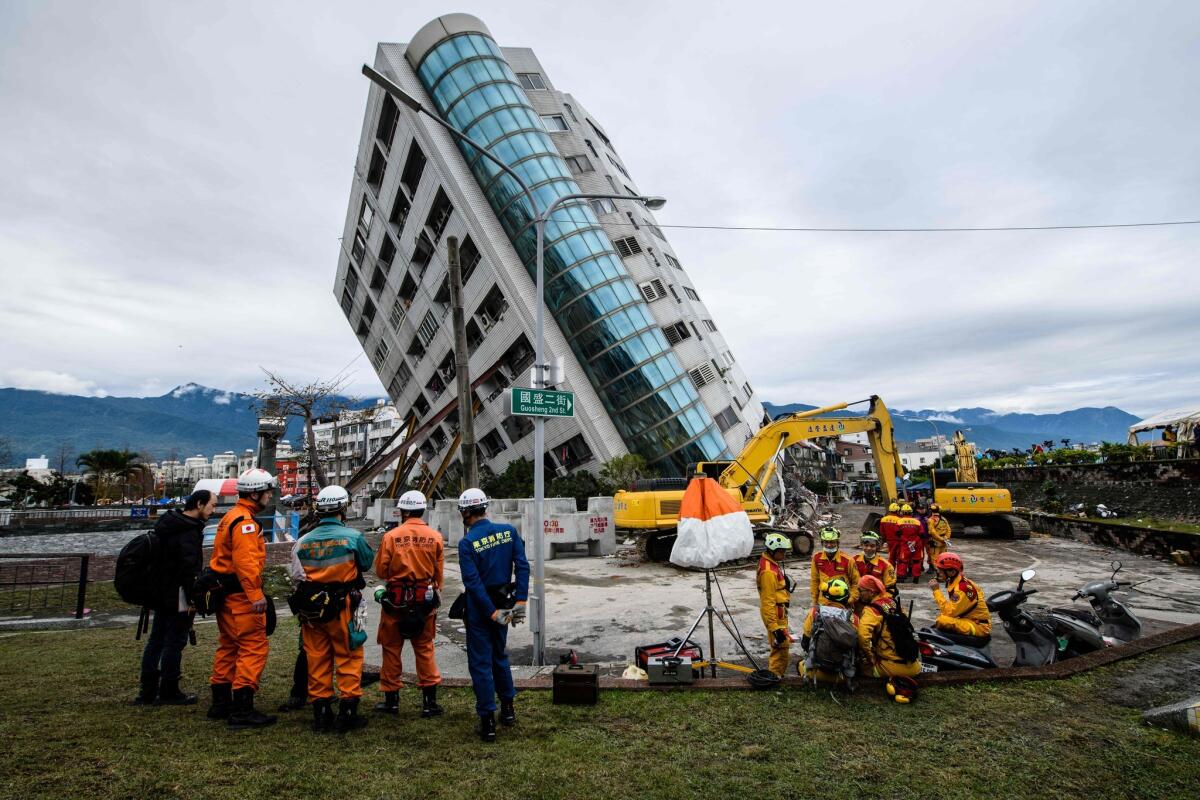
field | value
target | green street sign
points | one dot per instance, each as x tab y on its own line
542	403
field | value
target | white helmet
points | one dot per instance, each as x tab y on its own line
332	498
255	480
472	498
411	500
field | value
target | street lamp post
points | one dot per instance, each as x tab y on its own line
538	622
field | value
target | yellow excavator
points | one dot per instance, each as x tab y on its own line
965	500
650	510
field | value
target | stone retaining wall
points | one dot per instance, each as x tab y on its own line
1143	541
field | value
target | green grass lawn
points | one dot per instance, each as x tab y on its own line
68	732
1152	522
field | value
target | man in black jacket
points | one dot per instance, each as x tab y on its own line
180	559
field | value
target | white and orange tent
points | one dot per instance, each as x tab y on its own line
713	527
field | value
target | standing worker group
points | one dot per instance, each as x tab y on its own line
495	574
411	562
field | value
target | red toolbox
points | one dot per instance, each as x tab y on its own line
576	684
689	650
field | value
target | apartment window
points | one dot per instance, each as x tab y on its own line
491	310
531	81
579	164
708	323
617	164
517	428
674	293
676	333
400	211
728	358
573	452
416	350
439	215
492	444
602	206
378	279
696	331
702	375
381	353
468	258
655	230
599	133
570	112
408	290
591	147
690	292
726	419
375	171
352	281
387	252
749	389
652	290
365	215
389	115
422	254
414	165
616	187
627	247
368	311
555	123
629	191
358	249
673	261
420	406
347	301
428	329
397	314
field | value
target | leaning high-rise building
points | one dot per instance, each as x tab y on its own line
649	368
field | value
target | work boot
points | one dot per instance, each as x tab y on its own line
508	715
390	704
487	727
149	689
293	703
222	701
323	715
429	703
348	718
170	695
244	714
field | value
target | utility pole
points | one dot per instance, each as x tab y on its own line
466	408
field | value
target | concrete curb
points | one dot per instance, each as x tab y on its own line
46	624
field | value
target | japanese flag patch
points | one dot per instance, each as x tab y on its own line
249	527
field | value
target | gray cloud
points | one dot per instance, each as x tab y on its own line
176	178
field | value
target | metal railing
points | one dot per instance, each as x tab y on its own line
38	581
103	512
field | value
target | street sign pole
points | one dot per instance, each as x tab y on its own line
539	456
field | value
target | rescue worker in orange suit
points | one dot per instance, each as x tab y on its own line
411	560
961	607
869	562
889	529
939	532
875	642
912	546
829	563
238	557
328	564
774	597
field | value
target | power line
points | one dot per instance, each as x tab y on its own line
916	230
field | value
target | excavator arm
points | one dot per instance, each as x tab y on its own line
756	464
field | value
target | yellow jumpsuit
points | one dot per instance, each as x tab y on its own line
825	568
877	646
939	537
773	600
820	675
962	608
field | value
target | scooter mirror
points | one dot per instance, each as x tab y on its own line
1027	575
1116	566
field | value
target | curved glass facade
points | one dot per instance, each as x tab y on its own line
651	399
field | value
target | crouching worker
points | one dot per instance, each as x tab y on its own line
774	596
962	610
885	635
830	638
411	560
488	556
328	565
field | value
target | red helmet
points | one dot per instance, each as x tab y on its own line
949	562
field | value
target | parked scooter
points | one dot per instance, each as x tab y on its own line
1115	620
942	651
1043	636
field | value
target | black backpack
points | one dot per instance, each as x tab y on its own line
900	628
137	578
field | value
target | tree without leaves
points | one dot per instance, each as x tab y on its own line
308	401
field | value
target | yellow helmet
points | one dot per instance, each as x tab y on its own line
894	507
836	591
906	509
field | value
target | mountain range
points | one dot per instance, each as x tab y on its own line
990	429
193	419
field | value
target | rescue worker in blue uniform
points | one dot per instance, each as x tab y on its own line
495	573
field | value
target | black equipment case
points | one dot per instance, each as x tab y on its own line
576	684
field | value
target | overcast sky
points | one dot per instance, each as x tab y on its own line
174	177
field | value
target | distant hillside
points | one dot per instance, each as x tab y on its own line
1003	431
188	420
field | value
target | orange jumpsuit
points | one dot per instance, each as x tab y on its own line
413	551
242	646
912	548
773	600
962	608
881	568
825	569
889	529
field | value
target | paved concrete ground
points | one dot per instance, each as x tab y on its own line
604	607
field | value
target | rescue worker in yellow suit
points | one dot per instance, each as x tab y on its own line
869	562
939	535
238	557
829	563
889	530
875	643
411	561
836	596
774	597
327	565
962	609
